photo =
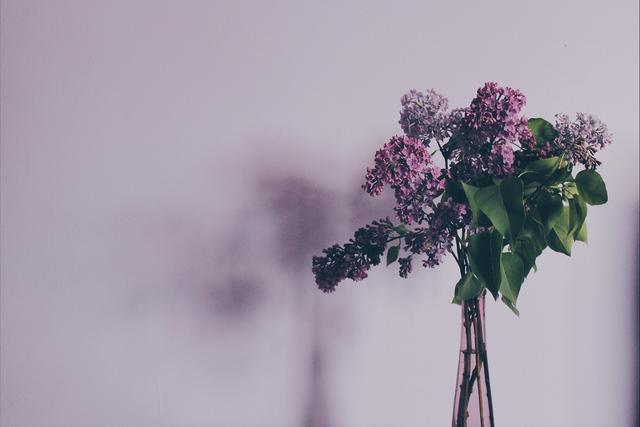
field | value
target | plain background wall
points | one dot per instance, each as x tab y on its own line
168	169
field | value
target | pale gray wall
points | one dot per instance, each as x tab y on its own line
154	152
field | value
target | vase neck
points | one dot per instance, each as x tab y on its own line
472	405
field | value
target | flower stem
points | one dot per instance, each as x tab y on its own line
465	390
472	323
483	354
478	362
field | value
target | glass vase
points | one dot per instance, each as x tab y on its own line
473	406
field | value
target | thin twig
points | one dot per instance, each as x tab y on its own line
454	256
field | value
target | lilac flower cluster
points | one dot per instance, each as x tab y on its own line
581	139
355	258
437	239
495	114
405	266
489	138
423	115
486	131
405	164
501	159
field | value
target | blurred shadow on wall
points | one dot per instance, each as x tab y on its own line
289	220
237	296
220	279
306	219
302	214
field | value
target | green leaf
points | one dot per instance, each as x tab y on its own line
392	254
503	205
489	201
401	229
560	238
550	209
563	223
511	189
592	187
470	191
466	288
577	214
570	190
535	231
544	167
512	276
560	175
526	248
560	243
542	130
511	305
483	221
581	234
530	243
485	251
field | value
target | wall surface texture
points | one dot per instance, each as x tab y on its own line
169	168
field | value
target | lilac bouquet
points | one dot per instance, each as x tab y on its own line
503	191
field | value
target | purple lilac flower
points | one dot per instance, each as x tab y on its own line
492	119
581	139
439	243
423	115
456	119
406	166
481	141
495	111
542	149
353	259
446	219
501	160
452	214
405	266
437	239
416	241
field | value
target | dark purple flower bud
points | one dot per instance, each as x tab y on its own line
405	266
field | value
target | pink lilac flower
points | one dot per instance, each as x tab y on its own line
405	164
423	115
581	139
